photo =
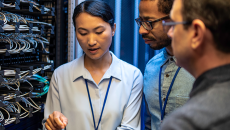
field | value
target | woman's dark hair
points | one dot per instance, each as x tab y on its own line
96	8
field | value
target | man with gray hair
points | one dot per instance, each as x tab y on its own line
200	32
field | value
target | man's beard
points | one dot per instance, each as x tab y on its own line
159	44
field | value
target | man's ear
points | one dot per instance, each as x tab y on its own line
114	29
198	33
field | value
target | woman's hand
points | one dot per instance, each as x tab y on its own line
56	121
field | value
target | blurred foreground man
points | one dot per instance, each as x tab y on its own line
166	85
200	34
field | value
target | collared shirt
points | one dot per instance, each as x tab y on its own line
208	107
68	95
179	93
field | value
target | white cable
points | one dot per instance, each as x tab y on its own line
35	104
4	17
7	114
11	120
8	5
1	117
26	1
43	47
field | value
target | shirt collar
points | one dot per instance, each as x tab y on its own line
210	77
167	57
80	70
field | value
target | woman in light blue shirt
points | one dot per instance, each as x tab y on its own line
97	91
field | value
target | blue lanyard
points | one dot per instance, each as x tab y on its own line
103	103
163	111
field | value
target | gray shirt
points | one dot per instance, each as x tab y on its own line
179	93
208	107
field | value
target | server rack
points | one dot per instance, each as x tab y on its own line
32	45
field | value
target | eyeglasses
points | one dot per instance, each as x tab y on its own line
170	24
148	25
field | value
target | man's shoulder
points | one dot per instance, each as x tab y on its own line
184	116
203	111
169	123
157	57
154	61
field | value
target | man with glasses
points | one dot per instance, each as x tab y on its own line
200	32
166	85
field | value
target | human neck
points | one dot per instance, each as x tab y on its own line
169	50
209	62
100	64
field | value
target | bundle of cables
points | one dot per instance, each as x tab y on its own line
13	111
35	5
22	42
43	80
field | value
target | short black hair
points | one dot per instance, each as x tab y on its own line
165	6
96	8
215	16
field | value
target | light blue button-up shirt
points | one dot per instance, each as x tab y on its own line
179	93
68	95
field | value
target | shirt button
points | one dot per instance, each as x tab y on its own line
163	99
167	75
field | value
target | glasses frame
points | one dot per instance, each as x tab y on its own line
139	22
172	24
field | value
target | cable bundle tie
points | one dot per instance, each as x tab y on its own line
17	3
17	93
7	53
21	52
1	101
42	29
8	47
53	11
1	76
42	9
1	5
1	98
30	110
52	30
2	104
31	70
17	73
31	27
33	51
16	121
52	66
17	24
1	79
1	25
42	70
2	122
16	116
31	7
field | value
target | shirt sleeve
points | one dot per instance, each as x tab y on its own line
131	116
52	100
